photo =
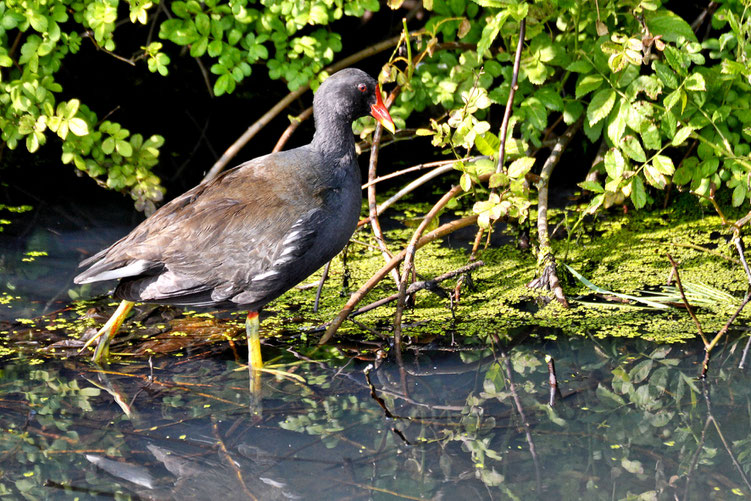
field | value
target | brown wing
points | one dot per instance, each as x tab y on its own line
208	244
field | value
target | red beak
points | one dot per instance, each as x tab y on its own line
380	112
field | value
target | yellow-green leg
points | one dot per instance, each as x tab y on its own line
252	328
255	361
108	331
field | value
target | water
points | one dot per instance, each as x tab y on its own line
629	419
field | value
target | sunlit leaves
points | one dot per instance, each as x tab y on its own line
654	177
681	136
638	194
600	105
487	210
672	27
587	83
695	82
491	29
663	165
157	60
519	167
622	50
633	149
139	10
615	164
65	120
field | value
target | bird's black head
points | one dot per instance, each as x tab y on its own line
350	94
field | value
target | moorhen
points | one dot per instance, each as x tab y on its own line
246	237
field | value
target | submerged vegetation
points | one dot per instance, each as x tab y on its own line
626	419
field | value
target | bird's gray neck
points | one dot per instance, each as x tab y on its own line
334	139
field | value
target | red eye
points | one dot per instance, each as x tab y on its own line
362	88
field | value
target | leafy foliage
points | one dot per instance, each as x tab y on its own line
36	37
668	109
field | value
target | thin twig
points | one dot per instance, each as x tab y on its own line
686	303
293	125
355	298
409	260
549	276
709	251
324	275
525	422
231	462
438	163
267	117
410	187
375	224
738	241
512	93
416	286
205	75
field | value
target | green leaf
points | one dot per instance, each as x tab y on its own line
465	181
681	135
672	27
617	121
665	74
487	143
695	82
672	99
220	86
638	194
38	21
632	148
124	148
215	47
648	84
663	164
615	164
587	83
520	167
640	371
490	31
78	126
739	194
108	146
593	132
498	179
682	175
198	49
550	98
203	24
669	123
580	66
650	136
653	177
600	106
591	186
676	59
535	113
572	110
617	62
608	397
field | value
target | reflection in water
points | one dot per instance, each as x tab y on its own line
631	420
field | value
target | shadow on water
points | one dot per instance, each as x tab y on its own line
630	420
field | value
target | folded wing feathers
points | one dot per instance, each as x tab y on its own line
98	274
